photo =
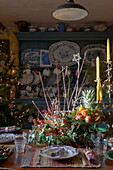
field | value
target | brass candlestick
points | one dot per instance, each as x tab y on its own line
108	85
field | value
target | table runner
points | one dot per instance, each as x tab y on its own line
32	158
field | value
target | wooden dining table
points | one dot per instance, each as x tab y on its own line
14	162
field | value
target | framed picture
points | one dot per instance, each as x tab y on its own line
30	57
44	59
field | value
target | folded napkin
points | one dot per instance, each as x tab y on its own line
90	155
9	128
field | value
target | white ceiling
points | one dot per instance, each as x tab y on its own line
40	11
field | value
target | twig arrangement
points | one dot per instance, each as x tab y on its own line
69	101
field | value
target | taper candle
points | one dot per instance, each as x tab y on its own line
108	49
97	95
97	67
99	88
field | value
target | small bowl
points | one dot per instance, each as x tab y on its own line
32	28
100	27
87	28
42	29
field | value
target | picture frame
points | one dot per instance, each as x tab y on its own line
44	59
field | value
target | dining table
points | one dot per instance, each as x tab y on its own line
29	160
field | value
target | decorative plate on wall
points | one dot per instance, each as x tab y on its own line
91	51
36	78
62	53
27	78
30	57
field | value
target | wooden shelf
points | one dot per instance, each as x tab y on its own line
43	40
64	35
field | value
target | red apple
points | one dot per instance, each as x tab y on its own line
88	119
79	116
84	112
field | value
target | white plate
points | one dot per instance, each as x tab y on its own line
7	137
91	51
68	152
27	78
36	78
6	140
62	53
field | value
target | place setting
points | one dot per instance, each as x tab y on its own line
60	156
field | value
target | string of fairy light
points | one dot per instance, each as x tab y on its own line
9	81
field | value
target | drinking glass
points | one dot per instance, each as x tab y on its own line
20	143
25	134
101	146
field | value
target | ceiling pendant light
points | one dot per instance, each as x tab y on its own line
70	12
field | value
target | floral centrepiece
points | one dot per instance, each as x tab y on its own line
73	124
68	127
65	128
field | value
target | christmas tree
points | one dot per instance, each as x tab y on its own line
8	84
12	111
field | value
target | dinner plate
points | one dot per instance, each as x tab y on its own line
68	152
5	141
9	131
62	53
91	51
7	138
109	154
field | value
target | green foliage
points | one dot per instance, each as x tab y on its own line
57	130
9	77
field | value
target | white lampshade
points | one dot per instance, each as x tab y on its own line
70	12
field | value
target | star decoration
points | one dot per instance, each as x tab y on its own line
76	57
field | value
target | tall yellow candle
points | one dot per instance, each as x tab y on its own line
97	95
97	67
99	88
108	49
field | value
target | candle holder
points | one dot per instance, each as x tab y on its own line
99	103
108	85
